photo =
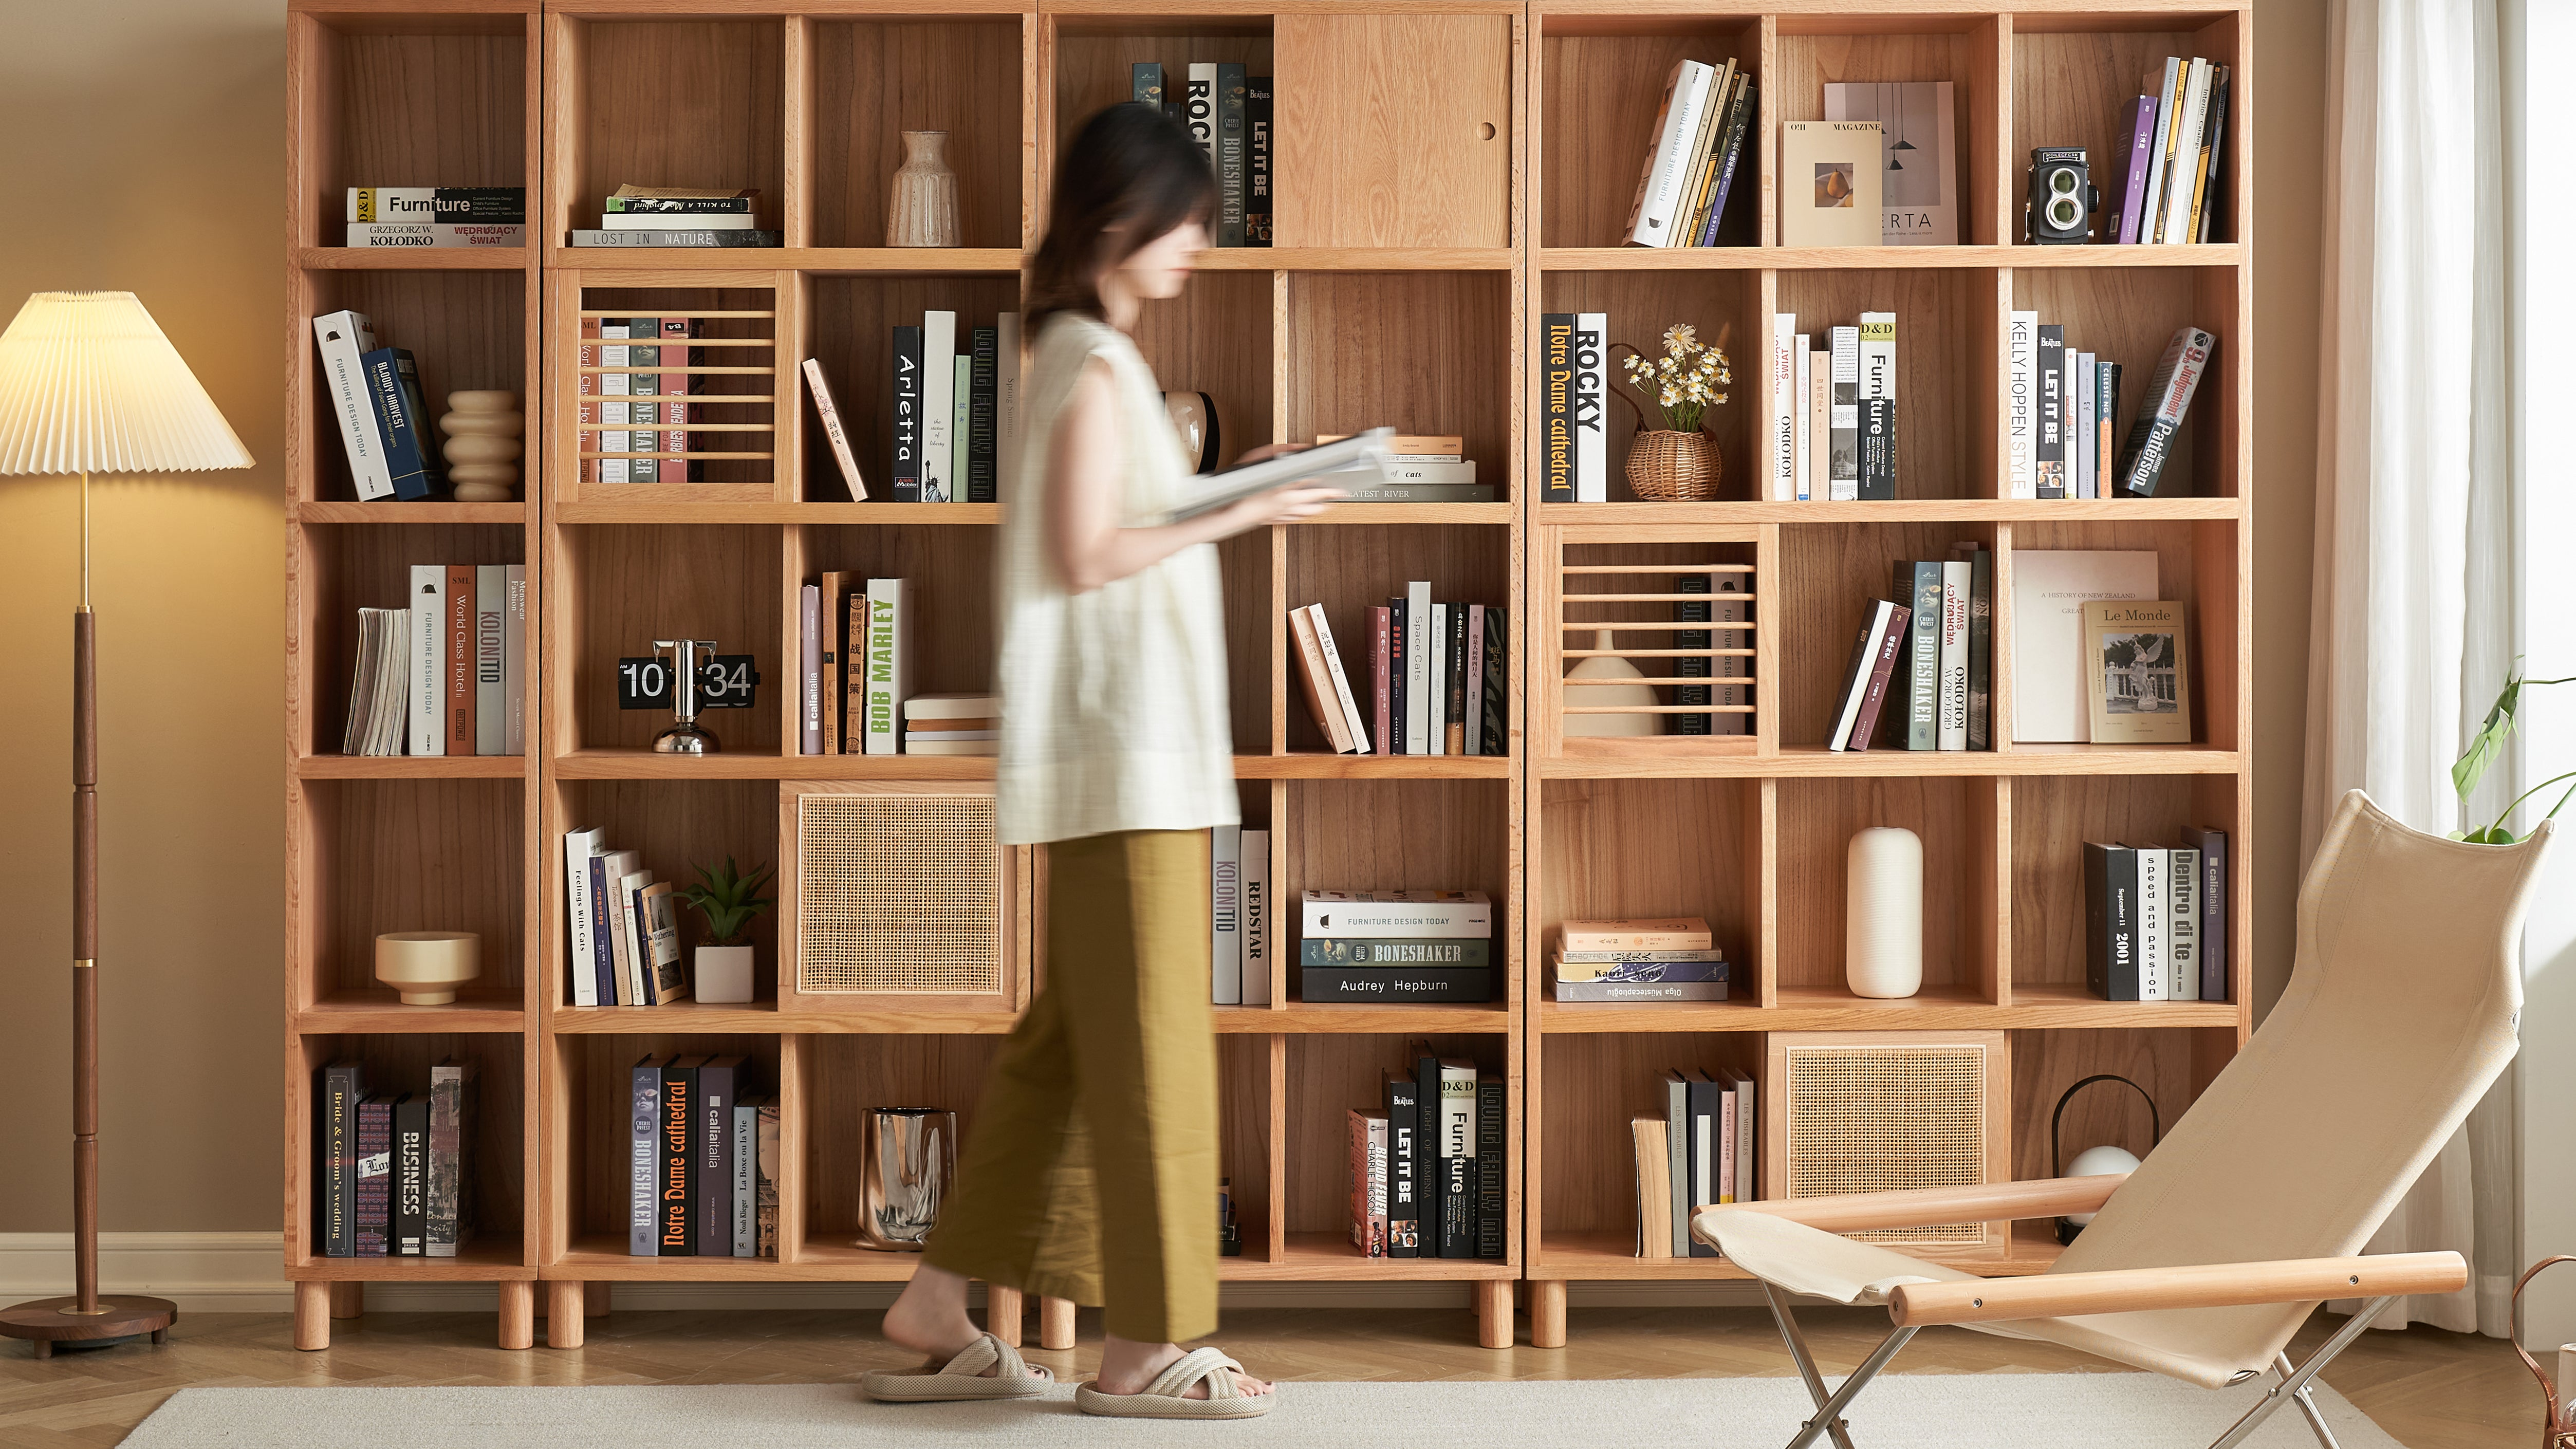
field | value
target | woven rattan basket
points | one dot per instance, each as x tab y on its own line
1668	467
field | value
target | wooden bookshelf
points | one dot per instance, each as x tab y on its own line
1415	247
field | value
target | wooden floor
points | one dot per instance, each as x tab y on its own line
2430	1389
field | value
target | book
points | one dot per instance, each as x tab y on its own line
2182	924
1472	740
2214	150
1145	83
1430	1178
1878	397
669	980
1396	983
1981	643
343	339
371	1177
578	847
1198	108
1781	428
448	205
1556	407
740	205
2111	921
939	451
435	234
411	1176
1492	1148
1632	991
888	662
765	1209
1690	611
1259	918
1743	120
1918	166
1457	1158
1644	966
2021	402
1422	493
1403	1211
1417	668
603	912
1653	216
2154	946
1230	142
1843	439
1315	680
809	654
1665	933
2210	845
1382	676
454	1094
1225	942
1870	650
491	588
718	1081
1820	432
636	987
1654	1186
2162	409
1895	639
1952	709
1260	184
1497	697
1699	151
393	388
2048	448
835	432
624	986
743	1157
1454	716
1396	915
1367	951
514	659
692	237
1742	1090
1435	654
983	420
2106	408
1006	398
2130	198
2167	98
836	587
2137	675
1830	184
1802	430
1709	1118
903	474
427	629
2051	698
2080	435
1677	1138
961	404
1914	680
1368	1181
644	1158
458	684
2183	154
675	1169
342	1086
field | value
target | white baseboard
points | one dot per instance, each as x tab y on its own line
239	1273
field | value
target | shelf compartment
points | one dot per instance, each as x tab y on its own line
951	630
1640	849
1584	1091
1359	835
2173	1064
2075	82
342	568
375	856
1813	49
2052	820
1215	338
590	1142
407	100
1828	577
735	371
2128	315
2198	564
1600	79
1422	352
675	826
1094	53
850	329
1325	1077
1726	309
1959	822
616	588
875	79
465	329
1588	575
661	102
495	1137
1350	572
1948	367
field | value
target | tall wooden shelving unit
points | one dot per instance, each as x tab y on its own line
1418	243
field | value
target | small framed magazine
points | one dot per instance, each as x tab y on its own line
2137	668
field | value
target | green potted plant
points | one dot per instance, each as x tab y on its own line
729	901
2485	746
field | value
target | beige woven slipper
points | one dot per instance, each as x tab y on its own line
963	1377
1162	1399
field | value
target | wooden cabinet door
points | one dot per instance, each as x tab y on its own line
1394	130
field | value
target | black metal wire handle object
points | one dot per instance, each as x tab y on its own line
2056	1149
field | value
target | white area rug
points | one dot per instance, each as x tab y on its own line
1965	1411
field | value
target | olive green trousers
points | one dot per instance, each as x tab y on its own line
1090	1172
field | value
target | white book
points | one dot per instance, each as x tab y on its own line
1723	609
1198	108
1417	668
514	659
625	978
1396	915
428	659
1686	95
2186	154
2021	402
2166	90
1006	400
940	452
1592	407
343	338
1351	715
1438	667
2049	591
1878	355
1803	432
1856	689
2182	925
2155	958
1225	949
1746	1143
1953	702
491	615
1842	445
1784	433
1259	917
579	953
678	221
889	663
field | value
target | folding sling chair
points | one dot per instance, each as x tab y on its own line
2203	1262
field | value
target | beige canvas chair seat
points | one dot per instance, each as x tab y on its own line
2401	1011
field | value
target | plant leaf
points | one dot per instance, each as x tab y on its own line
2484	748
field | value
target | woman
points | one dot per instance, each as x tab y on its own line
1092	1173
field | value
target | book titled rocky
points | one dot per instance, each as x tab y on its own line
1398	983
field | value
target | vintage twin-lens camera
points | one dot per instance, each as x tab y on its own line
2062	198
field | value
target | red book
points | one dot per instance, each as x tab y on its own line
460	659
1381	642
672	399
1882	663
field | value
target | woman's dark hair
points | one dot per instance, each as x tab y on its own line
1129	168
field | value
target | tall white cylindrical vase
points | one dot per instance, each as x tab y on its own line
1883	914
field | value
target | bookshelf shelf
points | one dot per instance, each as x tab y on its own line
1790	259
1897	510
412	259
310	511
1883	763
482	1261
410	767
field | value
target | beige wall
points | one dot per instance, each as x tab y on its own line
145	141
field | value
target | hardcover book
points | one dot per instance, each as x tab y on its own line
1918	166
1393	915
1492	1144
1667	933
1260	927
2051	699
903	473
644	1158
1225	876
1231	139
343	1085
1637	991
1640	968
2137	673
889	663
411	1176
718	1082
2021	402
1556	407
454	1094
343	338
373	1175
411	456
1403	1152
2162	409
1843	446
1397	983
1368	1181
1591	404
1878	405
1829	184
982	418
835	432
1915	682
675	1217
2048	449
2211	846
2111	921
1360	951
940	452
1691	611
1259	177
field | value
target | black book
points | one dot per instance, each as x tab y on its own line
1429	1171
1458	1206
411	1176
1915	686
1258	177
343	1086
1498	656
1691	611
1397	983
2111	921
2212	845
1456	714
1707	1106
718	1082
1731	147
1491	1164
1401	741
676	1220
1877	449
983	458
2048	452
2213	200
1229	154
906	470
375	1171
1145	83
1556	406
1403	1213
1981	645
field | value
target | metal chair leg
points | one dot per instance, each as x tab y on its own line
2307	1397
1805	1360
2293	1386
1830	1412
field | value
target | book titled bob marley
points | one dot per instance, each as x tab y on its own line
2137	672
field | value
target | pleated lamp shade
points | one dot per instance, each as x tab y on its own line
89	385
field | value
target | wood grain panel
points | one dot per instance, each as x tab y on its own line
2127	315
1725	308
1421	352
2046	1063
2053	818
846	1075
466	330
1827	579
598	1086
1817	821
416	110
1617	849
414	855
681	103
1328	1075
401	1064
1363	162
1351	570
1808	60
1943	373
2080	88
676	826
631	584
1598	98
368	566
1592	1085
874	80
1215	338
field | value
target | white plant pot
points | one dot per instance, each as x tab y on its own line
1883	923
1622	696
724	974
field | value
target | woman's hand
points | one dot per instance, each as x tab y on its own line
1280	505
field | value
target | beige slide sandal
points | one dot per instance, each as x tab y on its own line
963	1377
1162	1399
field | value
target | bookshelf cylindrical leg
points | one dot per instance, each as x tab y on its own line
1494	1312
594	1299
1002	1313
518	1314
312	1315
348	1300
1055	1322
563	1314
1547	1312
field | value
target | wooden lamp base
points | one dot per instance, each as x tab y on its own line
49	1321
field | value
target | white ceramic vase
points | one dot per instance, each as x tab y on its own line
1883	913
1610	726
724	974
426	967
483	431
923	209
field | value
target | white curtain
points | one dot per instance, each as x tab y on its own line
2412	618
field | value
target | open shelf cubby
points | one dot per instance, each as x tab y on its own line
1413	249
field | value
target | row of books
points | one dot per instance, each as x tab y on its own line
1396	946
677	216
1437	674
448	675
702	1160
623	948
1242	913
1709	120
2155	919
1421	468
1931	650
2174	162
1227	111
1702	1150
374	394
397	1167
1674	958
2060	406
1834	411
956	411
438	216
634	386
1429	1165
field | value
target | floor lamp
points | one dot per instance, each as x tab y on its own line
89	385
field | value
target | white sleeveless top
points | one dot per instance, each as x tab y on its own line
1114	709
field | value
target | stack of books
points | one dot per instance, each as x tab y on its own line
1240	910
2155	919
1422	468
677	216
1930	650
2172	185
1671	959
397	1167
438	216
952	724
1833	433
702	1161
448	675
1428	1167
1396	946
1709	122
854	651
624	943
956	410
632	426
1700	1151
2062	409
374	393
